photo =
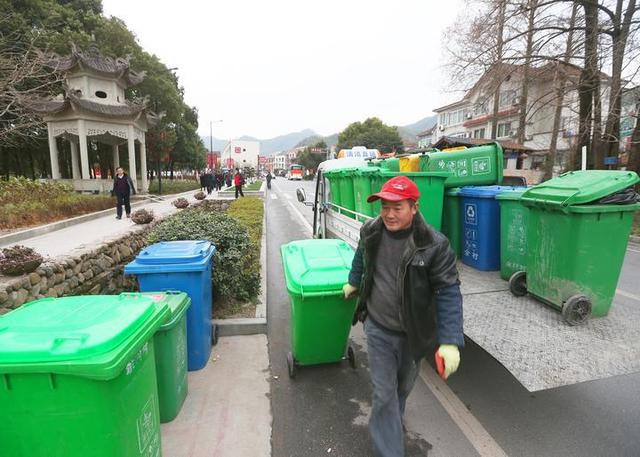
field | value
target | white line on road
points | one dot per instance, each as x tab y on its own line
287	196
298	214
479	438
274	197
628	295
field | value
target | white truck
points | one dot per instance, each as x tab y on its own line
529	339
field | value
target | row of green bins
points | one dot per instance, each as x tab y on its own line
576	245
514	220
390	164
334	186
477	166
431	187
78	377
170	344
451	224
315	271
347	197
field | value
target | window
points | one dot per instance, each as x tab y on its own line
504	129
101	94
478	133
507	98
480	108
453	117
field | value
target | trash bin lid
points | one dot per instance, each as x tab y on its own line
452	192
67	333
511	194
316	266
580	187
177	302
367	170
172	256
483	191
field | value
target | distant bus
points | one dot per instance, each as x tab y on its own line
359	152
295	172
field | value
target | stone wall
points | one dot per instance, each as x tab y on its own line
99	271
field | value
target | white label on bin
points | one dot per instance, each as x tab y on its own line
181	353
480	166
471	214
148	430
131	366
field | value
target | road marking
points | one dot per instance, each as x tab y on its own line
479	438
287	196
274	197
299	215
628	295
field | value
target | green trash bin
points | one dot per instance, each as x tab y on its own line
390	164
575	246
514	220
315	271
170	344
431	187
451	223
78	377
347	198
362	187
476	166
333	178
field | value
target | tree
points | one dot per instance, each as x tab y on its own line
373	134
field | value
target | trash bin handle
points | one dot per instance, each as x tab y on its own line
566	201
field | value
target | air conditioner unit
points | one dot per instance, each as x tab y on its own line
441	127
469	116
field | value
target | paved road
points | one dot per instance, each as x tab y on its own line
598	418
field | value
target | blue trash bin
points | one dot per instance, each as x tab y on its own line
480	218
184	266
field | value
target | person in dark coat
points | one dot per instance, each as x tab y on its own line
203	184
269	178
228	179
208	181
123	188
410	304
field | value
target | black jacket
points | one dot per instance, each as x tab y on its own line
431	307
132	190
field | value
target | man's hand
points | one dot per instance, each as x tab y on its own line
447	360
349	291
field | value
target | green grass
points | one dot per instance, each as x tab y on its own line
253	186
249	212
174	186
25	203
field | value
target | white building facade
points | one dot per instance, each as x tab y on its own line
241	154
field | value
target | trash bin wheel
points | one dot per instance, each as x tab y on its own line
518	283
214	335
291	365
576	310
351	356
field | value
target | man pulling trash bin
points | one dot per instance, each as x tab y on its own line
409	302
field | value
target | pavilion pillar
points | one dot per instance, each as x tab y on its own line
84	153
143	164
75	165
53	153
131	143
116	158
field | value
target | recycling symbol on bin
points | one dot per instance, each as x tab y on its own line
471	212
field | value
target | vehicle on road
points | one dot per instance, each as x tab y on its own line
295	172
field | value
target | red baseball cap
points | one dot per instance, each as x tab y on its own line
396	189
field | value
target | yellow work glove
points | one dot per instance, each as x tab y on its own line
447	360
349	291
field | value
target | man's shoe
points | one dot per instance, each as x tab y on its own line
118	217
128	216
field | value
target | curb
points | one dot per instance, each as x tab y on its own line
59	225
633	239
251	325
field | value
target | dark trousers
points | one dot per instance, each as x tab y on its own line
123	199
239	190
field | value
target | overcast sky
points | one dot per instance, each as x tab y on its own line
268	68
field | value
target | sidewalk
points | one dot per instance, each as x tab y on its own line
73	240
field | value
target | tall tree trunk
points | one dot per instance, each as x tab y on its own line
620	34
561	83
498	78
587	83
524	96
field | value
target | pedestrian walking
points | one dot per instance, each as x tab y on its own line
122	189
228	179
409	301
238	181
203	184
269	177
208	181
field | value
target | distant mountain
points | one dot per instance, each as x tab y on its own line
308	137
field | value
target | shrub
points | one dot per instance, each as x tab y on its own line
174	186
17	260
142	216
180	203
200	196
235	274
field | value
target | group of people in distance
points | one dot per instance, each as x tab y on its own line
212	180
